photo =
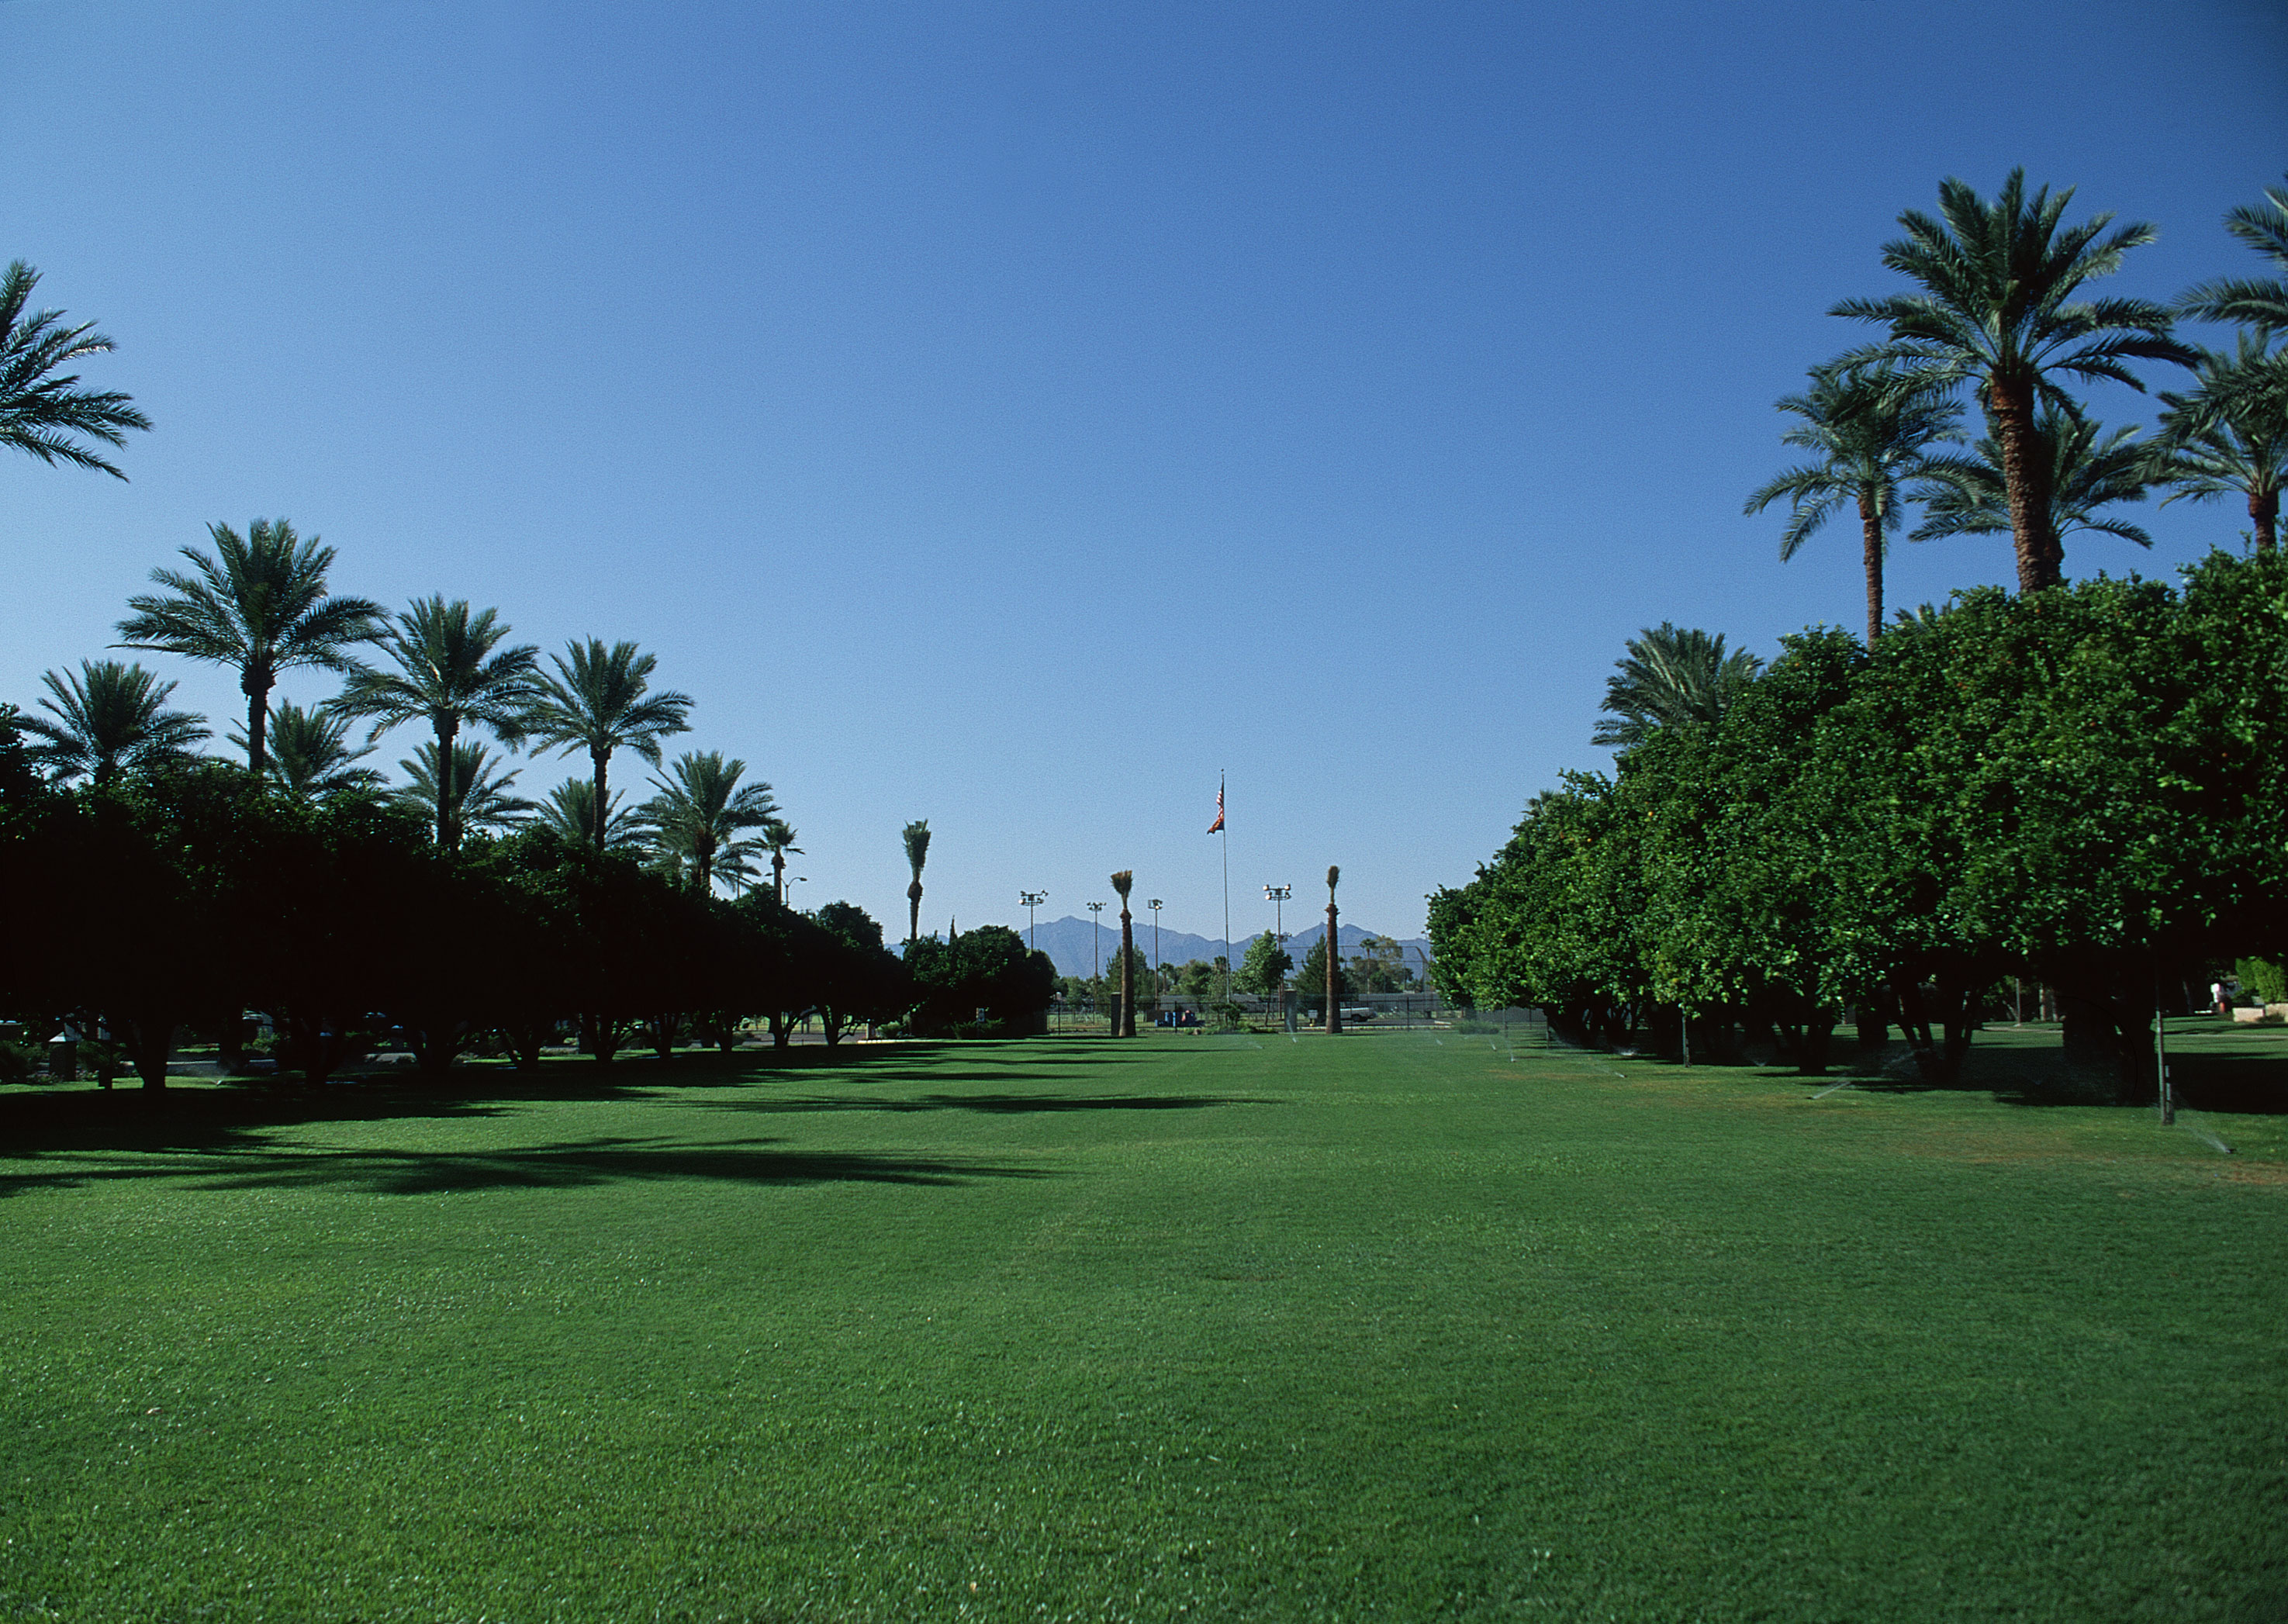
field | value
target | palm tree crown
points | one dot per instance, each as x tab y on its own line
1672	677
2231	434
41	408
702	813
599	702
570	810
112	716
476	790
2084	471
1996	305
259	604
1872	427
451	671
310	754
2261	305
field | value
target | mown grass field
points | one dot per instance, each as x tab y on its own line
1184	1328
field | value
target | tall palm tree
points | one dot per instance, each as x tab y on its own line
570	810
1125	1026
778	840
600	701
259	606
1996	306
1670	676
2261	305
917	836
475	790
2231	435
41	409
2085	470
701	814
451	672
112	716
310	754
1872	427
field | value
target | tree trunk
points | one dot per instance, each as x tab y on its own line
1334	975
599	1035
1871	530
602	760
257	689
446	838
914	910
2026	480
778	877
1127	1027
2264	514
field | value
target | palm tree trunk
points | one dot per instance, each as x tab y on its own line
1334	975
257	722
447	727
2264	514
914	911
1127	971
2026	477
778	877
1870	529
602	758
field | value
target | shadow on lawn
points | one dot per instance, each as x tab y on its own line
258	1165
2018	1072
994	1105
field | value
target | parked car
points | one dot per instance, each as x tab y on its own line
1356	1012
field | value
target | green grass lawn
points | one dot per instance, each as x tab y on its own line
1187	1328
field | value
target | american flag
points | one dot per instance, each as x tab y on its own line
1217	826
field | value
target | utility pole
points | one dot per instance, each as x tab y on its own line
1031	900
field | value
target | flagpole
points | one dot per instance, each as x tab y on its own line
1226	888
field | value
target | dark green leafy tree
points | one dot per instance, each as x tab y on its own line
2085	471
853	977
2229	436
600	701
1994	305
1871	428
703	815
1311	981
44	411
1672	677
1263	970
475	794
2262	304
449	668
111	717
258	604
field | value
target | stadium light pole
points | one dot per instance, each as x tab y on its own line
1031	900
1094	961
1277	895
1154	906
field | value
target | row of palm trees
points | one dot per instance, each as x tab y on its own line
258	604
1996	306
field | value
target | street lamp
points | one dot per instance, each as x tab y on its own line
1031	900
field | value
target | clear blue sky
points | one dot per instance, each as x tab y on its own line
1011	415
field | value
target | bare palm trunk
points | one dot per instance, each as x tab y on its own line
1870	529
914	910
1127	971
2025	474
2264	514
602	758
778	877
257	690
448	837
1334	975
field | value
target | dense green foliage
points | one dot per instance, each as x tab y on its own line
1179	1328
2083	785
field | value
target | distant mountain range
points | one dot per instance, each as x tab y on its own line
1068	943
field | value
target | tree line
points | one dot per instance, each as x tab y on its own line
2077	783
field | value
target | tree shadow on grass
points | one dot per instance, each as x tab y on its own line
570	1164
2039	1075
993	1104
